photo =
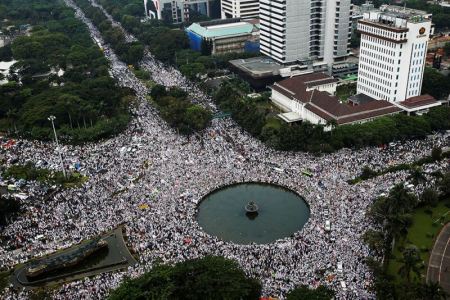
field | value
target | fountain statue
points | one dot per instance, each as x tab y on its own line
251	209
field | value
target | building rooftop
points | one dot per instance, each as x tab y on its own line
217	29
261	66
395	17
418	103
327	106
403	12
360	99
297	86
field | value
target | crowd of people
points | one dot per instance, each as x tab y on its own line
151	164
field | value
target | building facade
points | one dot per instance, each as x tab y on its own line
224	36
177	11
301	31
244	9
310	98
392	53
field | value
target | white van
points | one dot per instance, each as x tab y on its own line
327	225
340	267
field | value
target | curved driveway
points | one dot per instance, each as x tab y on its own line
439	263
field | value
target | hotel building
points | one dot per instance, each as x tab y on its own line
392	52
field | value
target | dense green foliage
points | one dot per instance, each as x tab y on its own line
441	14
31	172
206	278
256	116
9	207
129	52
119	8
414	167
178	111
447	49
303	292
174	106
435	84
163	41
87	103
395	215
167	43
346	90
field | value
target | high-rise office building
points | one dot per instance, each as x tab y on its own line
298	31
244	9
392	52
178	11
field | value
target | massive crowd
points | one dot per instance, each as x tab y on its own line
150	164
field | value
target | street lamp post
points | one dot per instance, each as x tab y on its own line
52	119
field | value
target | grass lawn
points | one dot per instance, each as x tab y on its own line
274	122
343	92
422	233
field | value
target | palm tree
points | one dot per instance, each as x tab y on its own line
12	115
400	200
444	185
432	291
411	262
398	224
417	176
333	124
375	240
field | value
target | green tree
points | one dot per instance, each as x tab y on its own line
431	291
135	53
435	84
447	49
6	53
411	263
444	185
191	70
416	175
429	196
158	91
9	207
375	240
367	173
383	283
197	118
401	200
436	153
303	292
206	278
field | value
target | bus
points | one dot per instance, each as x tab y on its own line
307	173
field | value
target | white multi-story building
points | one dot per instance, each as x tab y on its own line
392	52
244	9
177	11
299	31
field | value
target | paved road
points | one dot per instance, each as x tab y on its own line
439	263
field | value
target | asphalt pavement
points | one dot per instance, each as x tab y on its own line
439	263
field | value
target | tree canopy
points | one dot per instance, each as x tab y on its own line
393	215
87	103
176	109
303	292
210	277
256	116
130	52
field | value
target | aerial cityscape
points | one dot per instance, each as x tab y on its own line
224	149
